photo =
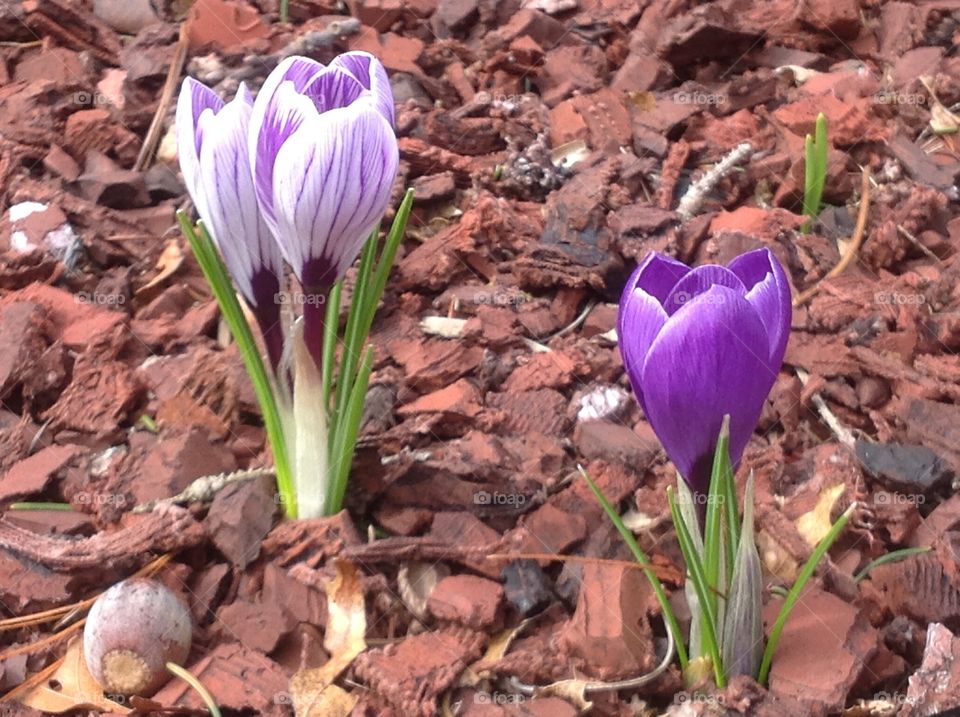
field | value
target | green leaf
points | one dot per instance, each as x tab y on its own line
668	615
348	393
805	573
815	170
697	575
891	557
263	385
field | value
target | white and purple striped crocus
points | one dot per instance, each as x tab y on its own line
302	174
212	140
701	343
324	157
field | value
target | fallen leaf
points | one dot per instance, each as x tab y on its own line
313	691
70	687
813	526
170	260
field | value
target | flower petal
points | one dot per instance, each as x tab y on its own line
228	206
373	76
709	359
657	274
769	291
272	122
332	183
641	314
333	88
699	281
638	322
195	98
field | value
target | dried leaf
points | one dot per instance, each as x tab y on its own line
495	651
813	526
313	691
70	687
170	260
743	624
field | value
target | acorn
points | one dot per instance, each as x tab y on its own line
133	630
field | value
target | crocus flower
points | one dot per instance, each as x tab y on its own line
324	156
212	138
701	343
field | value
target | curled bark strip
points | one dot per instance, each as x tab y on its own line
167	529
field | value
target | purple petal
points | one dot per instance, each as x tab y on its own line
698	282
228	203
769	292
195	98
657	274
333	88
373	76
332	183
641	314
272	122
709	359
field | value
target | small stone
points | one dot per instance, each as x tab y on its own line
526	586
935	687
905	468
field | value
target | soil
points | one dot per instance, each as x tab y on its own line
552	144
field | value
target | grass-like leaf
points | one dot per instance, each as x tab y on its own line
700	584
891	557
815	171
822	547
223	290
356	361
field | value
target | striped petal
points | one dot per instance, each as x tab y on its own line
230	207
331	184
194	101
333	88
272	122
373	76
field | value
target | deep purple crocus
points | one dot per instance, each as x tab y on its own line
324	156
701	343
212	139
